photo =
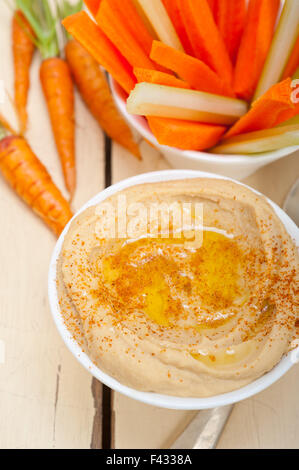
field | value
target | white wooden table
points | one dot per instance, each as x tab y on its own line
47	399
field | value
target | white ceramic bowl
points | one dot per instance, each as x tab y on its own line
234	166
164	401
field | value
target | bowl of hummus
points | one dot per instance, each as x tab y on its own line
179	289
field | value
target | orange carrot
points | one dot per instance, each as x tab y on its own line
205	37
160	78
133	22
93	6
185	135
82	28
173	11
56	83
255	45
230	18
116	29
32	182
197	74
23	49
94	89
273	108
213	6
293	62
58	90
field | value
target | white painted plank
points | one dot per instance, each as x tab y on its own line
45	394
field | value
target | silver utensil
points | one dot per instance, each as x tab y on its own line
291	204
204	430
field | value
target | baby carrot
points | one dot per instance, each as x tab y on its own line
29	178
255	45
23	49
59	93
94	89
205	37
57	85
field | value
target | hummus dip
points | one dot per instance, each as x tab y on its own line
162	314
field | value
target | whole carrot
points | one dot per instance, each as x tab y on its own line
23	49
58	89
94	89
57	85
29	178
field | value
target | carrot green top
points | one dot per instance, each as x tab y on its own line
43	22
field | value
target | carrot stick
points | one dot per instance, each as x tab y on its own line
93	6
113	25
82	28
255	45
273	108
185	135
58	90
230	18
23	49
133	22
32	182
160	78
95	91
213	6
190	69
293	62
173	11
205	37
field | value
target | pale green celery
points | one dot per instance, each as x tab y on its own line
260	141
43	23
149	99
158	17
281	48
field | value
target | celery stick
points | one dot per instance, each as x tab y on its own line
161	23
260	141
281	48
149	99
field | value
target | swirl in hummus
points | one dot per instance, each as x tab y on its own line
162	316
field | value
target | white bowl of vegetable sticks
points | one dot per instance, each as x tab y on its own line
234	166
